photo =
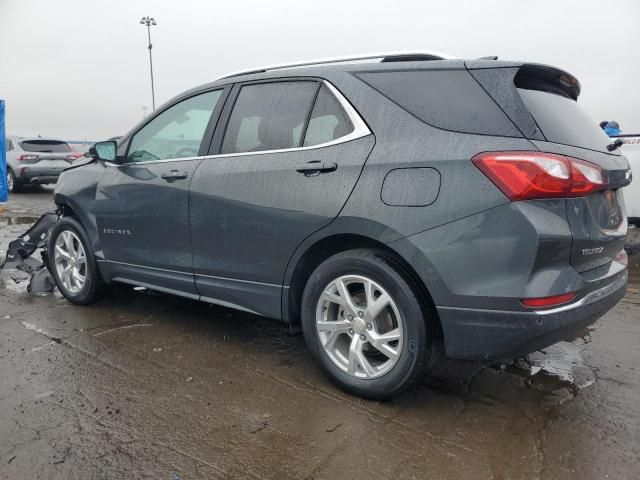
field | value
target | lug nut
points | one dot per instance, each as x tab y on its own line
363	337
369	326
360	314
351	331
350	317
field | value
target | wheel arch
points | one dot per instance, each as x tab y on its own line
68	208
330	245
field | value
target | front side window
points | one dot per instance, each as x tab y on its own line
328	120
269	116
176	132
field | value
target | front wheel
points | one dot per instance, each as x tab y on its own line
364	322
72	262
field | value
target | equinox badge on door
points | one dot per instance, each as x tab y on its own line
116	231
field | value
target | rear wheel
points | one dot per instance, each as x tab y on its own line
72	263
12	182
364	323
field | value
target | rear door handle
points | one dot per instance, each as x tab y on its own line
315	167
172	175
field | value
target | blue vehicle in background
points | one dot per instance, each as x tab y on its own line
3	159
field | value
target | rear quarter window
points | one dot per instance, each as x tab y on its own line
447	99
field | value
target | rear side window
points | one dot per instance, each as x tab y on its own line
9	145
45	146
328	120
446	99
269	116
563	121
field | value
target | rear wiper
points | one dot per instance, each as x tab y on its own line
615	145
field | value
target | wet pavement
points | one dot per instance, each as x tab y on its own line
142	385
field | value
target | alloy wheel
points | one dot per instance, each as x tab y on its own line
70	261
9	181
360	326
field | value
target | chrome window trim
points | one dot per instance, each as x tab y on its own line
360	129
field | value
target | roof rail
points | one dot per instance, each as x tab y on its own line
409	56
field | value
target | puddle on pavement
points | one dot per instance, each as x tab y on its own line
561	363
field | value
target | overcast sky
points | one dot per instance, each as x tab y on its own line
79	69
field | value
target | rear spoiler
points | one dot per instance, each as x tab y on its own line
533	76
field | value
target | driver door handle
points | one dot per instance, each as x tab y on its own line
172	175
315	167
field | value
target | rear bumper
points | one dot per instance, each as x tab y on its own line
501	335
36	177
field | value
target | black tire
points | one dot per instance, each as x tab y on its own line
12	180
420	340
94	286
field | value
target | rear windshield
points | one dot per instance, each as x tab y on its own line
563	121
45	146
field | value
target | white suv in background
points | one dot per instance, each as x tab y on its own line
631	149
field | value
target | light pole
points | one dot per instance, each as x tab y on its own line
149	21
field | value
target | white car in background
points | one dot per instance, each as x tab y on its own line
631	149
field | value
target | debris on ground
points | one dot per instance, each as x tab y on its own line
255	423
19	261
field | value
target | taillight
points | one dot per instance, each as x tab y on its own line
529	175
622	257
546	302
587	178
24	157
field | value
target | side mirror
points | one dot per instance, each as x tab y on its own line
104	151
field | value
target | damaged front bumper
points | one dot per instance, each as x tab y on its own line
20	251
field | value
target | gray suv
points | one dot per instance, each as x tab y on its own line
399	208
